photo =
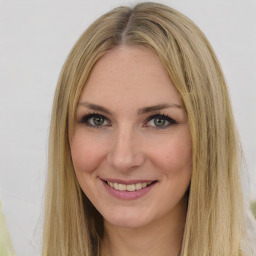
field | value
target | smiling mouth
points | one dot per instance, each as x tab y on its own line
130	187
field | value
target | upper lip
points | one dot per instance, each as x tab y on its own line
128	182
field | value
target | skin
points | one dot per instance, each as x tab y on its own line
128	145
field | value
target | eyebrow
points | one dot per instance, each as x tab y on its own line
95	107
140	111
158	107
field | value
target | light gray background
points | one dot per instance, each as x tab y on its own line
35	38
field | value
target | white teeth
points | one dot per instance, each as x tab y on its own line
130	187
121	187
138	186
144	185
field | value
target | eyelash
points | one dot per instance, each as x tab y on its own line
164	117
86	118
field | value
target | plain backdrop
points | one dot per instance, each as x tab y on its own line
35	38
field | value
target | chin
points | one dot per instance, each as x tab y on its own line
127	220
126	223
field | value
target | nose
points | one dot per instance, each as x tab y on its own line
125	151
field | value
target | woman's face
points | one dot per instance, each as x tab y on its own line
131	145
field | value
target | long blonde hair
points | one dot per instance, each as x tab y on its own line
215	220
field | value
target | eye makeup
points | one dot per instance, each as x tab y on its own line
95	120
157	121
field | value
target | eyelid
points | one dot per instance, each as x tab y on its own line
86	117
165	117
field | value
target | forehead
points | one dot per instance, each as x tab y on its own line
130	74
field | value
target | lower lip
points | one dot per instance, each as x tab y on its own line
128	195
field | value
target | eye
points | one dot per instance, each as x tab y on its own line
160	121
95	120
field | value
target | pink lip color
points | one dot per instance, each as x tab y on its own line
127	195
127	182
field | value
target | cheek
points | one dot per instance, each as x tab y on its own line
174	156
87	153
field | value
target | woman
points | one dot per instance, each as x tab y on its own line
144	154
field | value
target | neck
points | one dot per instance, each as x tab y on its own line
162	237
